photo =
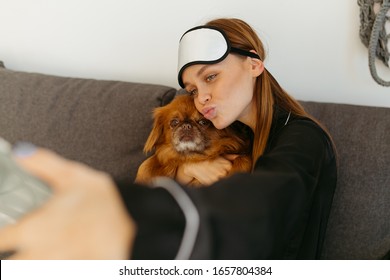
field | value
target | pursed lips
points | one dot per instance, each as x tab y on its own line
209	112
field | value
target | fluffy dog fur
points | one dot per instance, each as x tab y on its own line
181	134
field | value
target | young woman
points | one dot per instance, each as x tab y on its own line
278	211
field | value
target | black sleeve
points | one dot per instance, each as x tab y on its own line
264	215
160	222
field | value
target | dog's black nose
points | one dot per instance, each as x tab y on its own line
187	126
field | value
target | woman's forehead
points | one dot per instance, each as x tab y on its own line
196	70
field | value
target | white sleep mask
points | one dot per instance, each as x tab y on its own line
205	45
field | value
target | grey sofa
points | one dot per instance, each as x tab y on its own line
105	124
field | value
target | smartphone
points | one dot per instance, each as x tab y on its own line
20	192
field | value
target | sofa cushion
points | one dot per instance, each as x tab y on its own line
101	123
359	223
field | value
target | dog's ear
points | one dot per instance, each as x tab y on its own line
157	131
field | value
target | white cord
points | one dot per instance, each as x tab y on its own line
288	118
191	215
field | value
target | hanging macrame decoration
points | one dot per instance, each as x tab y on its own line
374	20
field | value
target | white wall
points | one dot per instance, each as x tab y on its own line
314	47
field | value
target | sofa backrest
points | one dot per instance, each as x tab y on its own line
100	123
359	223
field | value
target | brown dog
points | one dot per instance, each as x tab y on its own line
180	134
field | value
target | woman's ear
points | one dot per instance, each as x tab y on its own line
257	65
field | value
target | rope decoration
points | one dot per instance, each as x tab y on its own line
373	33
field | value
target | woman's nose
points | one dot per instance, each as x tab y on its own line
203	96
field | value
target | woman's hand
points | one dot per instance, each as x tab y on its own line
206	172
84	219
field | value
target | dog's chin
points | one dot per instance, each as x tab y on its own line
189	145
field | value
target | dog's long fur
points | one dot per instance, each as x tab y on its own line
180	134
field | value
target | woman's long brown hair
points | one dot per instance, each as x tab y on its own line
267	91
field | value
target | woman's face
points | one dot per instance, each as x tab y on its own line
223	92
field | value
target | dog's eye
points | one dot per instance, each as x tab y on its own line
174	123
204	122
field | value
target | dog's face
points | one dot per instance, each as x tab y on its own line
189	131
180	134
180	125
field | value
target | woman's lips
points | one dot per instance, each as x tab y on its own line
209	112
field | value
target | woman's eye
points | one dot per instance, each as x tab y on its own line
209	78
192	92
